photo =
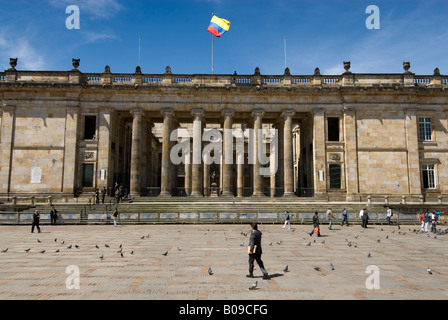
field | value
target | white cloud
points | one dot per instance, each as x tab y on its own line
98	8
21	48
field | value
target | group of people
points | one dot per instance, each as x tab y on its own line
429	217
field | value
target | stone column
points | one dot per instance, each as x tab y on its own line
6	147
70	150
165	186
137	115
288	162
319	161
197	168
279	176
412	141
227	157
188	174
240	163
104	154
257	115
351	155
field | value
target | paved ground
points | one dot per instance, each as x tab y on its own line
401	257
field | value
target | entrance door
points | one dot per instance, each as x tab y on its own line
87	175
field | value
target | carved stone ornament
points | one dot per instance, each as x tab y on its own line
13	63
334	157
347	66
436	72
75	63
89	155
107	69
406	66
317	72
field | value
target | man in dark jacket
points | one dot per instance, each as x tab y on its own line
36	219
316	224
255	251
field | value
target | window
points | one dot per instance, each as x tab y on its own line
89	127
425	130
333	129
335	176
428	176
87	175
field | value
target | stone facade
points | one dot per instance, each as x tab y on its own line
343	137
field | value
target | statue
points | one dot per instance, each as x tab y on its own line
13	64
75	63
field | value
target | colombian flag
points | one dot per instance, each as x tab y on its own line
218	26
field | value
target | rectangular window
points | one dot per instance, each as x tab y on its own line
428	176
87	175
335	176
89	127
333	129
425	130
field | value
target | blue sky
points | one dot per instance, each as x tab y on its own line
319	33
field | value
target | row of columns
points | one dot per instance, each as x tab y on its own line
195	179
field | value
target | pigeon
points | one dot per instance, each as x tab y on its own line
317	268
165	254
96	246
210	272
43	251
378	240
323	242
179	249
102	257
5	250
62	242
121	253
355	245
332	266
349	244
56	240
147	236
76	246
120	246
254	286
28	250
286	269
69	247
270	243
132	252
369	255
309	243
429	270
387	237
107	246
279	242
142	237
241	244
39	241
56	251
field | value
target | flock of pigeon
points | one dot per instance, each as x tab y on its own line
255	285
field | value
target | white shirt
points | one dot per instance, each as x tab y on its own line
389	212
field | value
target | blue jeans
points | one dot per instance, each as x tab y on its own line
331	224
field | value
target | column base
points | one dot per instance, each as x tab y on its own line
289	195
196	194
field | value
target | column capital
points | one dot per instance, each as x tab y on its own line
228	112
136	111
167	111
288	113
197	114
258	113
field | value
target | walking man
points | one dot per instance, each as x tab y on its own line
287	220
115	216
103	194
315	224
36	219
427	220
344	217
330	217
255	251
53	215
389	215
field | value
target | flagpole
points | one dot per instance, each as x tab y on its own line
213	54
285	54
139	49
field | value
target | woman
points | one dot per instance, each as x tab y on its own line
115	216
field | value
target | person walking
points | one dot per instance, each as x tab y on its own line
316	228
97	196
103	194
389	215
53	215
422	221
330	217
255	251
344	217
115	216
427	219
117	196
36	220
287	220
433	222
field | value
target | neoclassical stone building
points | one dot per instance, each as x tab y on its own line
342	137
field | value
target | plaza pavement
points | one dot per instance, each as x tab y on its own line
401	255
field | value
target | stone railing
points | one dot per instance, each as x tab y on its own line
206	80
